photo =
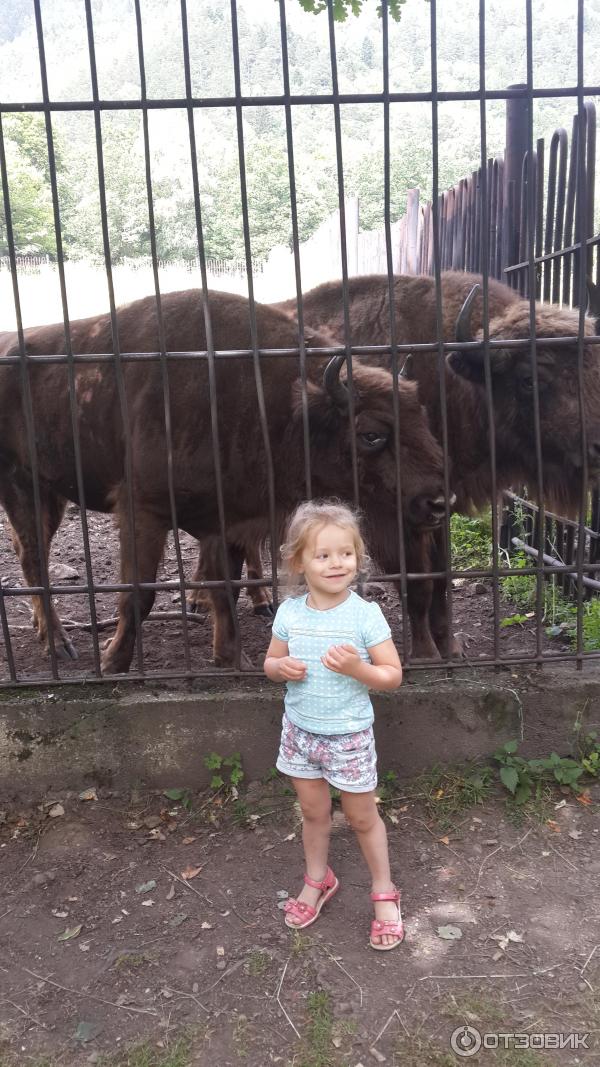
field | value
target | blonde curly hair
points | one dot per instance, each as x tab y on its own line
306	520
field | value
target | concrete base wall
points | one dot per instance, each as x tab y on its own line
128	736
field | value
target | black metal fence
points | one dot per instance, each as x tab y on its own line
481	247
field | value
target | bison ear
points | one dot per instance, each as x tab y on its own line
470	364
323	413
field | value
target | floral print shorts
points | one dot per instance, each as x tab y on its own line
347	761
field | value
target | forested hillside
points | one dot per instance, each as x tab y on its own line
360	70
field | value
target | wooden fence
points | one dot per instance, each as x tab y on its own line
488	213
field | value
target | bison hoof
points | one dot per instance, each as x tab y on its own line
266	610
114	662
228	661
66	649
450	649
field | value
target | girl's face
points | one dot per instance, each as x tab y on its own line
328	562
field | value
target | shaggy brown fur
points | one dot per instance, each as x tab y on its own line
242	455
467	413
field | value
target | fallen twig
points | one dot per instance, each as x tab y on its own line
190	996
235	911
485	859
279	998
18	1007
521	974
589	958
384	1028
91	996
188	886
230	970
338	964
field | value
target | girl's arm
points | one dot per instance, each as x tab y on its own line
383	672
279	666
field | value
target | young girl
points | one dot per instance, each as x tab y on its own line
330	646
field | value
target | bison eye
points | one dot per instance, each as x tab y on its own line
373	441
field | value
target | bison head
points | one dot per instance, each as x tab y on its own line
558	391
420	456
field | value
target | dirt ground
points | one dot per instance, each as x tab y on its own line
140	931
473	610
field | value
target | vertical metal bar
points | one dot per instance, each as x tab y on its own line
27	406
581	257
68	344
296	246
120	381
393	342
210	346
438	304
344	254
7	641
550	213
489	396
533	352
162	344
274	533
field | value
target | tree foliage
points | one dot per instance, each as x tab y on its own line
359	56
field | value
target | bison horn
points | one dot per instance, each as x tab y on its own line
463	322
332	383
406	368
593	301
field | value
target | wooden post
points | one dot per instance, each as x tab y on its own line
517	109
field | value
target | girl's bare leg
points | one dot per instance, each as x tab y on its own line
361	812
315	801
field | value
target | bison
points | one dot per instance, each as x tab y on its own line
467	412
104	453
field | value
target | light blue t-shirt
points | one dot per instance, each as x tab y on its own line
326	702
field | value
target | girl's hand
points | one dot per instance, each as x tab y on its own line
291	669
343	659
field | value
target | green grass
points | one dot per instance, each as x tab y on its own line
559	612
471	540
318	1051
449	791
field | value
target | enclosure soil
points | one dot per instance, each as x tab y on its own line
130	921
474	616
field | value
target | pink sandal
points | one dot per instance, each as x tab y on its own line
305	912
391	927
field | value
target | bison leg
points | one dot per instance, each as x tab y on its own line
198	600
226	644
418	596
150	537
18	502
259	595
448	645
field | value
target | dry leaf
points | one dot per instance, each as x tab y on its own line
74	931
220	950
575	834
403	808
88	794
444	840
56	810
188	840
190	872
393	817
449	933
171	892
290	837
583	798
553	825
